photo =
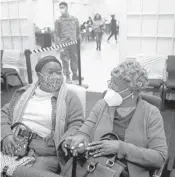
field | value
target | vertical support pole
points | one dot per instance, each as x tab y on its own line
27	54
2	51
79	61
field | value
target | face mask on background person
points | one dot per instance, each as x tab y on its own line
51	82
63	11
115	99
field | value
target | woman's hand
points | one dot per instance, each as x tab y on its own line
9	145
64	147
102	148
77	144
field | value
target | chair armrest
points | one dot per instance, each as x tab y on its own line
159	172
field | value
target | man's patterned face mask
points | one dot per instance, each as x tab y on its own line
51	82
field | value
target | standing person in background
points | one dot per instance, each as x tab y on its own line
90	25
113	28
83	29
98	29
89	28
67	28
90	22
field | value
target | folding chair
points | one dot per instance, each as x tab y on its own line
8	66
170	80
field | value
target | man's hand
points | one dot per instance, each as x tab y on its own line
104	147
9	145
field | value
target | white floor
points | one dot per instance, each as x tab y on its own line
97	65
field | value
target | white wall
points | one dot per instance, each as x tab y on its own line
17	30
150	27
43	15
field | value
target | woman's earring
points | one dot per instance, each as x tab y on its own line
132	97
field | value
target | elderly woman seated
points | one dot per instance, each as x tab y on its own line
50	110
138	124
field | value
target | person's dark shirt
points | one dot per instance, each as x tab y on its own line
82	27
113	24
120	124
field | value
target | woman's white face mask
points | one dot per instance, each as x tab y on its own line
115	99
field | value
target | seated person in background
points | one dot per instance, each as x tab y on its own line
138	124
51	111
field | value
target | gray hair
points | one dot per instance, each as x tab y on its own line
132	73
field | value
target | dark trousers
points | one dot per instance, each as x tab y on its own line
98	39
113	33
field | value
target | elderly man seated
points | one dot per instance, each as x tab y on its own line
50	111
